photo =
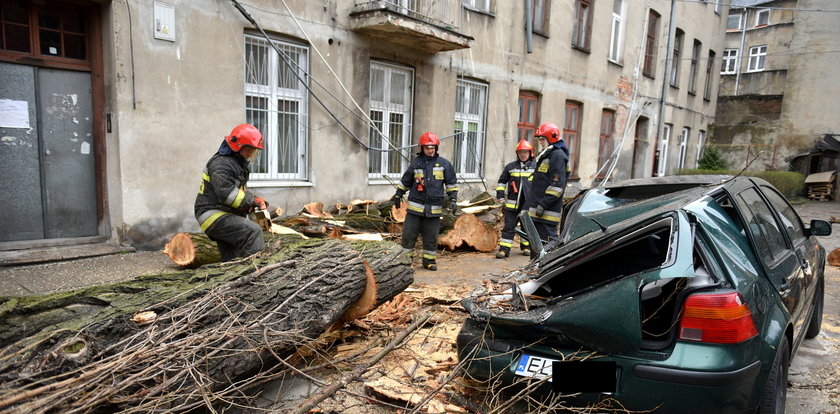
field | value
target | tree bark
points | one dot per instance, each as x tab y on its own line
215	325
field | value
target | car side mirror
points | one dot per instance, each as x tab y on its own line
820	228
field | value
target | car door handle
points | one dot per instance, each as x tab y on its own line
806	268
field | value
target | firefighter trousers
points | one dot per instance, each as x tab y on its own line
428	227
508	231
236	236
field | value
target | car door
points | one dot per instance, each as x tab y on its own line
803	246
780	262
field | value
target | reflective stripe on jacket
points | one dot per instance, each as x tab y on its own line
514	183
222	190
439	182
548	183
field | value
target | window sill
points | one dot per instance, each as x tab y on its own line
278	183
616	63
470	179
692	93
479	11
381	181
648	75
581	49
677	87
755	71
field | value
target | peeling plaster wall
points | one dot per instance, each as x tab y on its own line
187	95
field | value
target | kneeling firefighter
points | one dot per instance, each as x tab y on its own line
223	200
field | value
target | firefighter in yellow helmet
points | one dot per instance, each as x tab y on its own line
511	191
223	200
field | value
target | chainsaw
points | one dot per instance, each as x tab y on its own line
261	217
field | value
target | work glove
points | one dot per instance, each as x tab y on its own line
397	200
453	207
540	210
261	203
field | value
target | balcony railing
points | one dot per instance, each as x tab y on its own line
430	25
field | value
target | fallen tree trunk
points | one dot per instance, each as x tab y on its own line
216	328
192	250
469	230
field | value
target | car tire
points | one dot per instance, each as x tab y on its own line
816	316
775	393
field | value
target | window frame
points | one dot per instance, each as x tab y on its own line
684	136
758	58
614	53
388	110
606	139
651	40
674	77
273	93
542	29
740	26
459	158
726	60
694	66
572	133
662	146
525	128
487	8
582	25
701	136
710	70
758	14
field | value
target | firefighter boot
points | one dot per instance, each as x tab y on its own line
429	265
503	252
526	251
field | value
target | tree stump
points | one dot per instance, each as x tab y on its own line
192	250
469	230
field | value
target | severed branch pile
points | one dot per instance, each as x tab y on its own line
207	351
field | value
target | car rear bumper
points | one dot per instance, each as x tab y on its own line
641	384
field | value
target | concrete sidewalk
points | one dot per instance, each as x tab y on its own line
70	269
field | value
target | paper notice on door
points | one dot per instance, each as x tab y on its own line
14	114
85	148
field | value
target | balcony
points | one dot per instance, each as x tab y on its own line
427	25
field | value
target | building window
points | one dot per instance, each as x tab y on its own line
48	33
583	20
391	94
660	159
701	139
695	60
607	141
683	147
276	103
640	145
617	31
675	59
733	22
529	107
571	133
758	56
730	60
762	17
470	114
480	5
540	10
649	67
710	69
718	6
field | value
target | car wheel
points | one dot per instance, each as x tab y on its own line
816	315
775	394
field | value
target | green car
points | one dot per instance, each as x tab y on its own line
680	294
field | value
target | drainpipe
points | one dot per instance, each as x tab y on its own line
529	25
665	80
740	52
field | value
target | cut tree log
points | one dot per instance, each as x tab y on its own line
192	250
469	230
316	209
215	328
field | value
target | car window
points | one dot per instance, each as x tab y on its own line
766	234
790	220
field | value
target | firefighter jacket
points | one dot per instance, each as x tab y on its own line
222	188
428	181
514	183
548	182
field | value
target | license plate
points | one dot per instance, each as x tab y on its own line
570	376
536	367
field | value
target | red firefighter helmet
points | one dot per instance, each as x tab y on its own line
429	138
244	135
549	131
524	145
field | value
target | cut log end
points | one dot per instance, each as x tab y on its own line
469	230
180	249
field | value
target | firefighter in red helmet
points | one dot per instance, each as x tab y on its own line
548	182
223	200
511	191
430	180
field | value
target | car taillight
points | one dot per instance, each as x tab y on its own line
720	318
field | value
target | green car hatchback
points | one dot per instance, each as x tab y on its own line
681	294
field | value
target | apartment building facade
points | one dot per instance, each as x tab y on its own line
777	88
136	96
